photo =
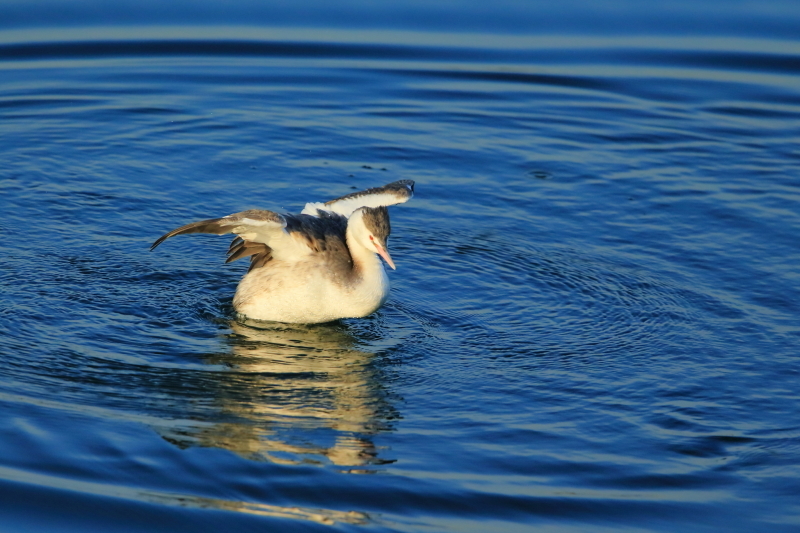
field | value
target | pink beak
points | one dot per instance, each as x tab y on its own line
385	254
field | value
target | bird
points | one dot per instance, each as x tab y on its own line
317	266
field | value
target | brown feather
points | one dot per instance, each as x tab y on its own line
260	259
212	226
246	249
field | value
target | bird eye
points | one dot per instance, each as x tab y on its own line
370	238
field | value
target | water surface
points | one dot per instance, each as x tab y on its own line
593	325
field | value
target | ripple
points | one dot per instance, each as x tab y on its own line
566	302
593	321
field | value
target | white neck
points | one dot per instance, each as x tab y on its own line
367	266
364	259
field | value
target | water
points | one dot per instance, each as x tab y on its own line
593	325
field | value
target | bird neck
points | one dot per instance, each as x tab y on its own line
366	263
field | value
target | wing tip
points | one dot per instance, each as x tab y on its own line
204	226
401	191
160	240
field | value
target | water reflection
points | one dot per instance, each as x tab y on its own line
328	517
294	394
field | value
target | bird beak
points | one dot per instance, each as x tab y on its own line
385	254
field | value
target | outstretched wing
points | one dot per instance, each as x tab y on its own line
396	192
261	235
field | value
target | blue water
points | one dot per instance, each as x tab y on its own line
595	320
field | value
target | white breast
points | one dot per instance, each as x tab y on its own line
307	293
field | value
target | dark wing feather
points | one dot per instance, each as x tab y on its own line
259	260
259	253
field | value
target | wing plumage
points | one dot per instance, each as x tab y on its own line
262	235
254	225
394	193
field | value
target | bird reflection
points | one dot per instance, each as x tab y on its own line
294	394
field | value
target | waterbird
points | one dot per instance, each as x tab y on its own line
317	266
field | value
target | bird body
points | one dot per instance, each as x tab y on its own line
317	266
